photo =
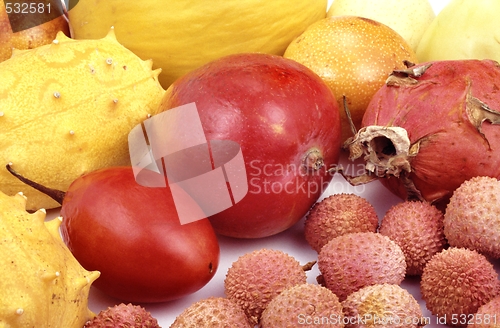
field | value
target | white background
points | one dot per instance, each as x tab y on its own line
291	241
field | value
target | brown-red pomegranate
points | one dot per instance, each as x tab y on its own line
287	123
431	127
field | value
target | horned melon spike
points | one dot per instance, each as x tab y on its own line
111	34
156	73
50	277
61	38
40	215
20	199
40	276
148	64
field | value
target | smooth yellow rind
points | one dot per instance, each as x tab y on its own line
41	283
66	109
180	35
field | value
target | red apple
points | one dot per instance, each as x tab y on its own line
27	25
287	123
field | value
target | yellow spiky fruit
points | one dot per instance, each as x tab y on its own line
66	109
41	283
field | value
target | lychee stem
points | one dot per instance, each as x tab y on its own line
308	266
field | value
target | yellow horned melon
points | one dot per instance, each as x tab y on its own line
41	284
66	109
181	35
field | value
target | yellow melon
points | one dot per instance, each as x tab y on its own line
180	35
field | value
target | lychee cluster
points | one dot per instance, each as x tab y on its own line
268	288
362	264
449	250
256	278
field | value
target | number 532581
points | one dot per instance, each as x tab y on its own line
27	8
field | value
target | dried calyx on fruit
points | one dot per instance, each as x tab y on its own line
431	127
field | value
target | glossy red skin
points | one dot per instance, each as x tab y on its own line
277	110
132	235
434	110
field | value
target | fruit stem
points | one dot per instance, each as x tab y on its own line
308	266
313	160
349	117
55	194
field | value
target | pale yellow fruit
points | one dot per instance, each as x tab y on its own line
41	283
410	18
66	109
181	35
464	29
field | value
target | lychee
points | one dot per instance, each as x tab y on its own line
306	305
383	305
337	215
255	278
355	260
487	316
217	312
417	227
472	217
456	282
123	315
